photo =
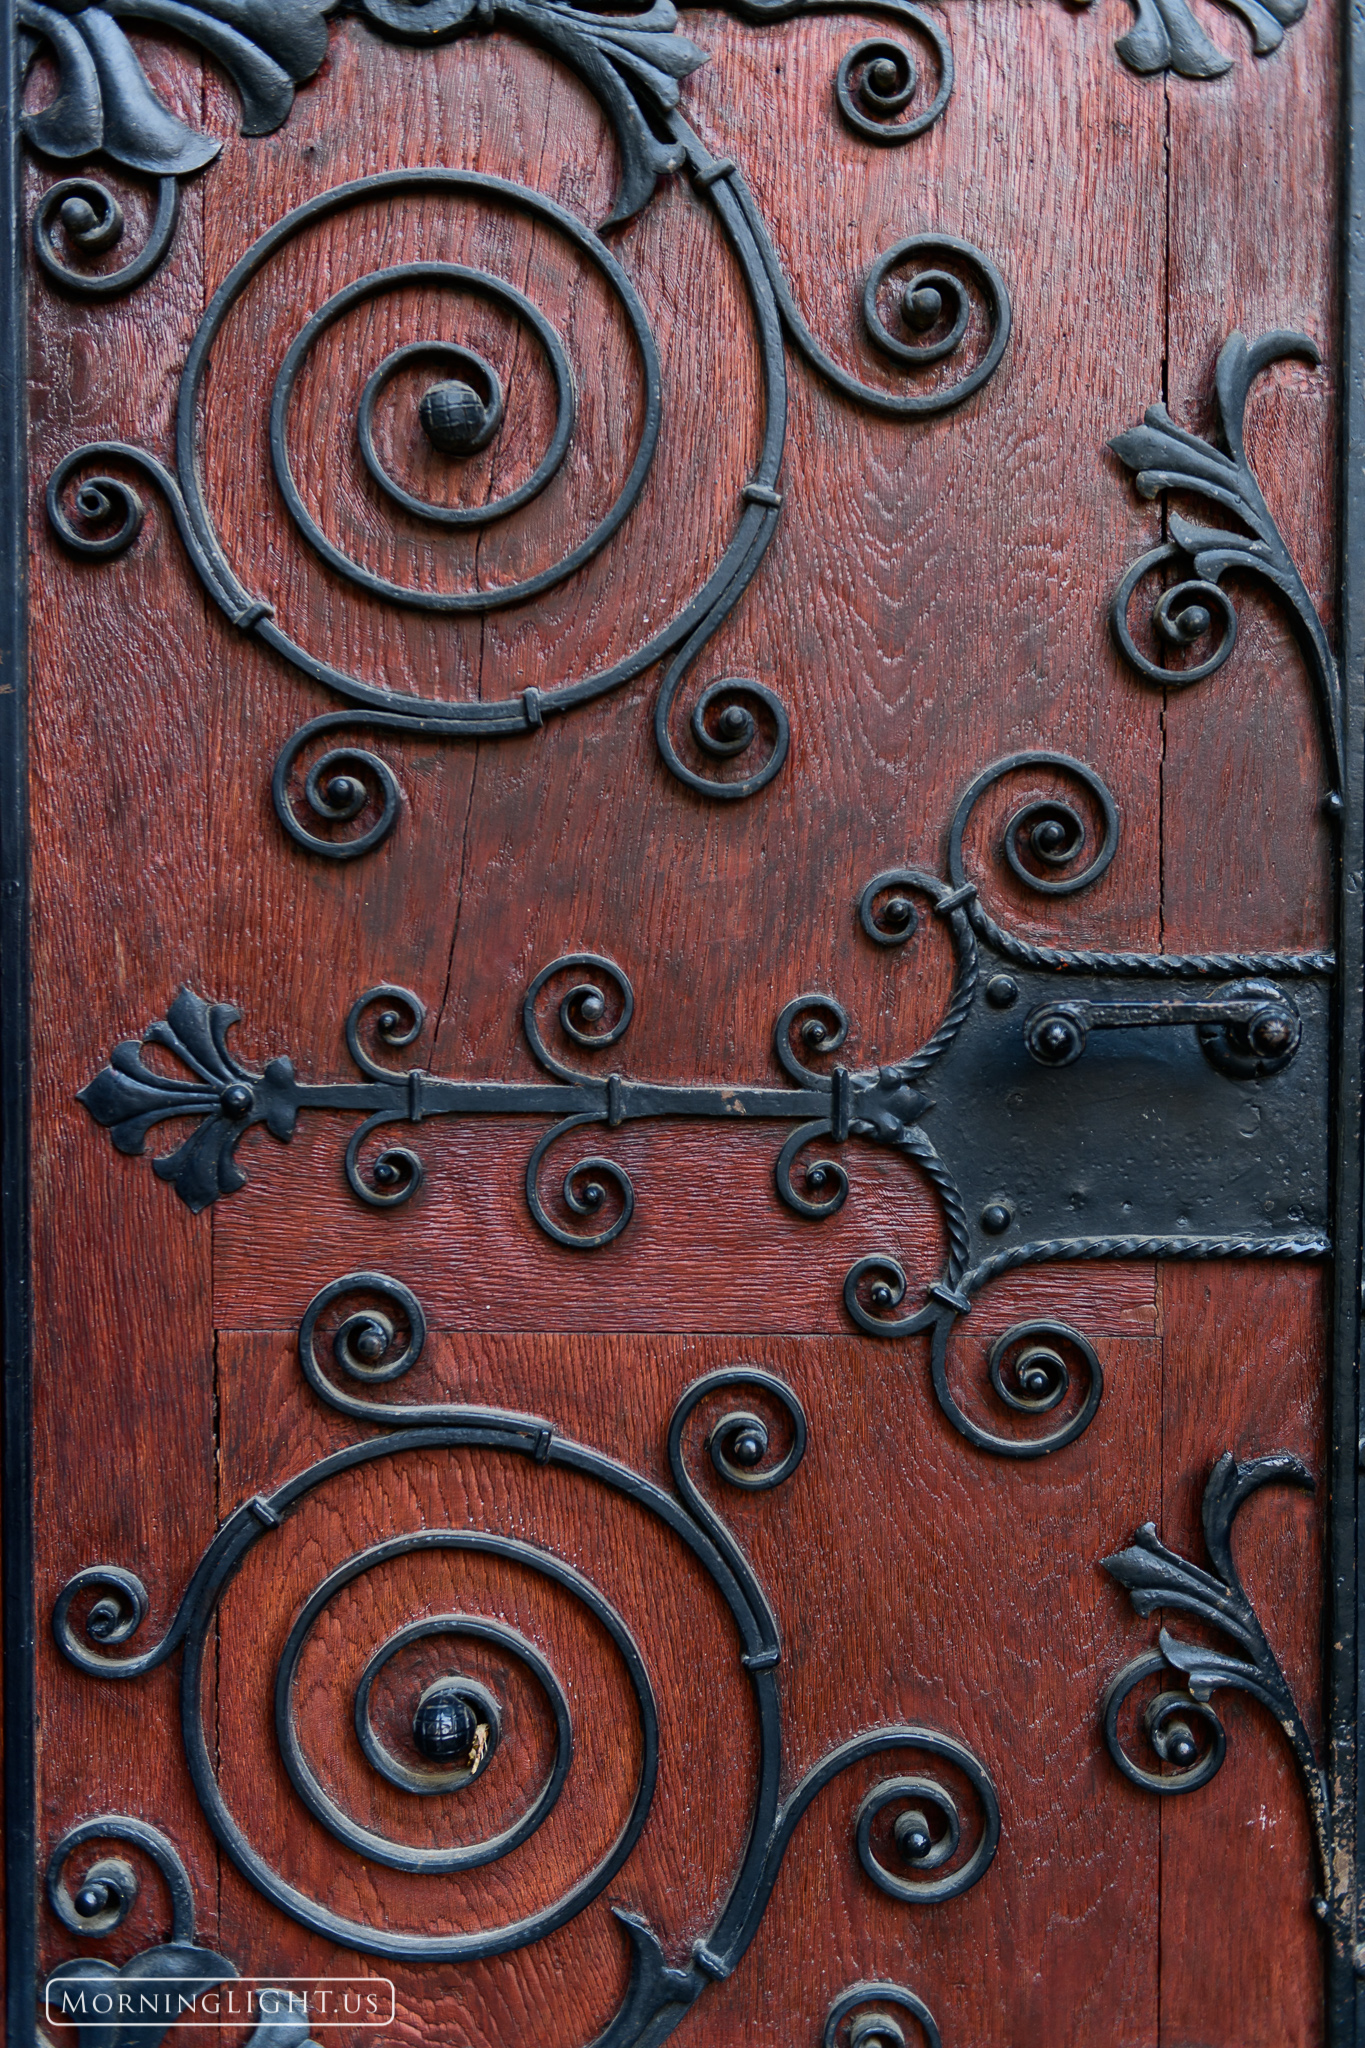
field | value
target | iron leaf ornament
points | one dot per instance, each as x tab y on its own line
104	104
1164	458
1157	1578
1167	37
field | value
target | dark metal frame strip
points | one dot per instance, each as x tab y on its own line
21	1934
1344	1636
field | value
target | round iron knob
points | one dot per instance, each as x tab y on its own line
912	1835
995	1218
445	1725
876	2030
1181	1747
237	1101
453	416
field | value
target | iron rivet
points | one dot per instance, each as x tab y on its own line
93	1899
343	790
995	1218
882	1296
747	1448
733	721
237	1101
897	913
912	1835
1001	991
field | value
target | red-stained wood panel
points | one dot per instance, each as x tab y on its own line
936	597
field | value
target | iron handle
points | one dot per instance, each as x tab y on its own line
1250	1030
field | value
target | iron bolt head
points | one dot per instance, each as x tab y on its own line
237	1101
995	1218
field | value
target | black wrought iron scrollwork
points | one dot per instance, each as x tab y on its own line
1166	458
865	2016
458	1735
1182	1728
159	1985
916	305
1244	1043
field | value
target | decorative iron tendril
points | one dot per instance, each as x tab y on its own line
1157	1578
658	1993
739	729
107	1894
1166	458
1088	960
178	1968
92	221
872	2024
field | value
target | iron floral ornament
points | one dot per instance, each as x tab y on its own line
1118	1085
1182	1728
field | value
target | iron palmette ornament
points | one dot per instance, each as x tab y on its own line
1164	457
1119	1083
936	1851
1181	1727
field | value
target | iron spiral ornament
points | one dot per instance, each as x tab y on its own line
457	1722
934	308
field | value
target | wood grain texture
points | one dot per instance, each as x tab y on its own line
936	597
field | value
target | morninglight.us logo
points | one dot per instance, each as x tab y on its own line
287	2011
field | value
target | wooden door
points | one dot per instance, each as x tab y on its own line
682	997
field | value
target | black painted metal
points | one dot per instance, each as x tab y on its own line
1344	1638
1167	37
161	1980
21	1938
1166	458
659	1994
1158	1579
732	715
1191	1128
